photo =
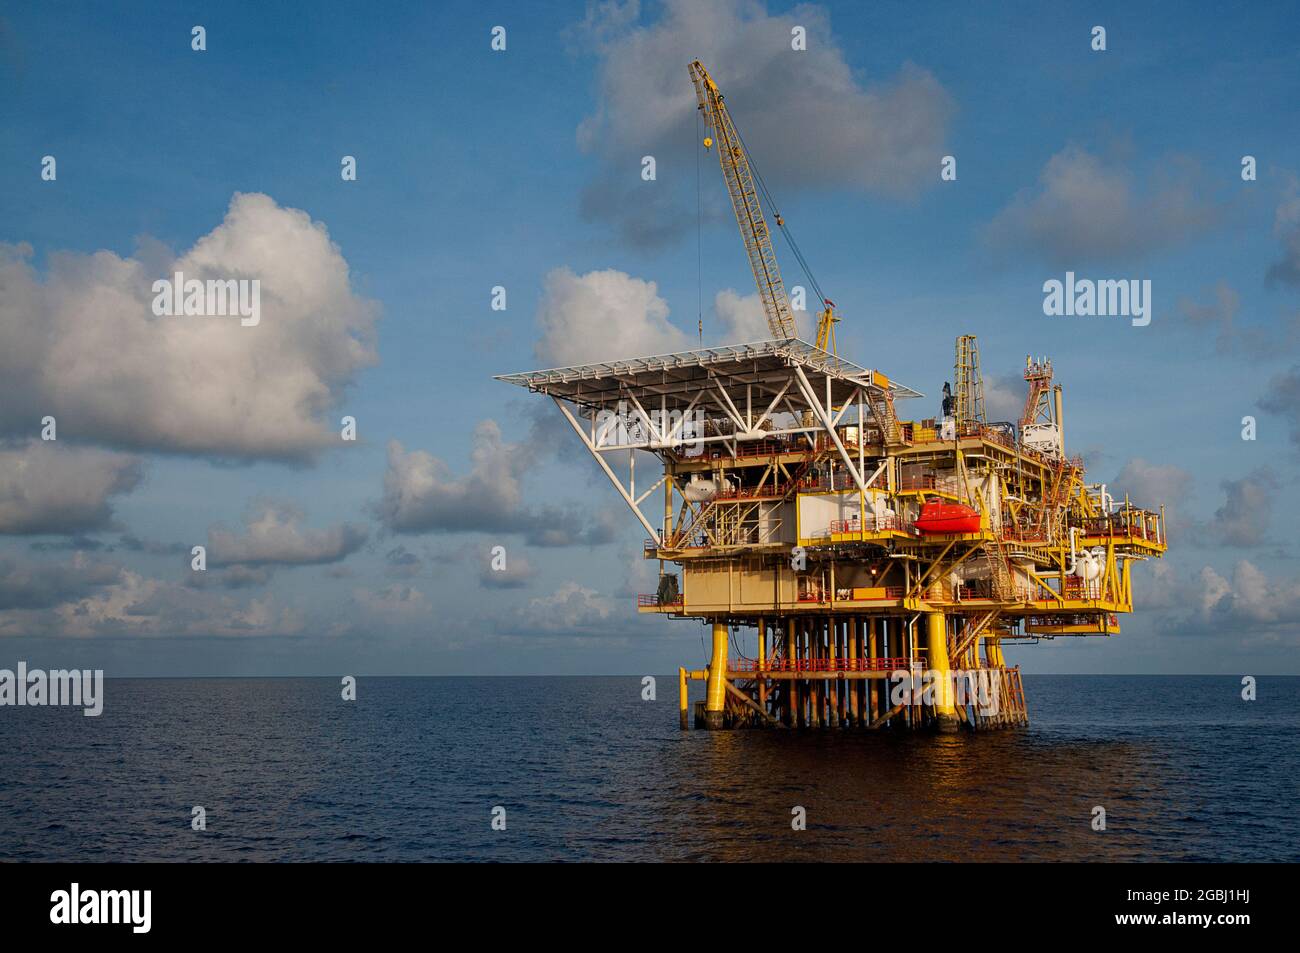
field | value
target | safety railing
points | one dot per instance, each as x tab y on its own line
819	665
846	595
652	601
871	525
1136	524
1076	588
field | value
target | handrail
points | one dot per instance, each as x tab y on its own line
819	665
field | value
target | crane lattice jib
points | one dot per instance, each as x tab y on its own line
744	200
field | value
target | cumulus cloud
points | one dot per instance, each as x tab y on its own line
572	609
601	316
807	119
82	343
55	489
43	586
1245	517
1282	397
1286	227
1084	210
422	495
1248	605
609	315
394	602
274	534
401	563
517	573
1217	315
120	602
1149	485
1004	397
742	319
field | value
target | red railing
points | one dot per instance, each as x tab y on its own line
871	525
1139	524
1076	588
891	592
819	665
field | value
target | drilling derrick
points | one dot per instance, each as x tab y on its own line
863	552
968	397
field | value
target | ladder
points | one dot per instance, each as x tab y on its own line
1053	499
1004	586
684	533
957	649
882	408
1013	694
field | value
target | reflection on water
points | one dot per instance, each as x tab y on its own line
586	770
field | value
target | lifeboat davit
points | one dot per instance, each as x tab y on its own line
947	518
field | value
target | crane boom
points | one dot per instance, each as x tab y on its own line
744	200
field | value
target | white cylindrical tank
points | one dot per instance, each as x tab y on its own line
702	489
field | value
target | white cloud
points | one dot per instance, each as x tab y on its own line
1084	210
1286	227
43	586
119	602
572	609
1246	515
742	319
1004	397
517	574
1149	485
394	602
1247	606
83	344
603	315
50	488
806	117
274	535
421	494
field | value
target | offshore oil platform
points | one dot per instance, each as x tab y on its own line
883	562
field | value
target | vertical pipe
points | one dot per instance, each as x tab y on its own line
668	505
795	687
833	693
945	711
1060	416
682	694
854	687
762	664
872	687
716	698
885	650
815	685
789	661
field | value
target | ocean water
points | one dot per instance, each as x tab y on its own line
586	770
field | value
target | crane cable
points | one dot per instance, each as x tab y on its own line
699	235
780	220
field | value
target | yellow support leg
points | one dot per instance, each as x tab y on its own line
945	710
716	696
683	696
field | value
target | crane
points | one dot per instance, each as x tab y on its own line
744	184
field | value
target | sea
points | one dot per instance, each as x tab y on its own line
1111	768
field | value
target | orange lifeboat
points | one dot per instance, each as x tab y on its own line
939	518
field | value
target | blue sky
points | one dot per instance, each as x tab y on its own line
479	168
